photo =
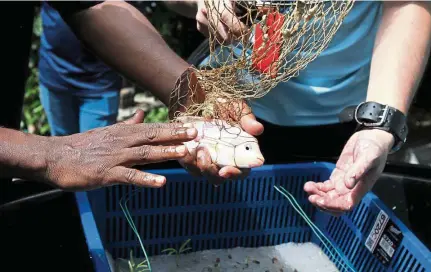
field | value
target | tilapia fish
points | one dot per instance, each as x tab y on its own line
228	145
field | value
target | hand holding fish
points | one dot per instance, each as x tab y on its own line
224	152
200	162
357	170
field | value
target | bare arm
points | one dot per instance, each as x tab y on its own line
124	39
95	158
22	155
400	54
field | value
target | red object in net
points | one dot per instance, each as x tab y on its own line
265	54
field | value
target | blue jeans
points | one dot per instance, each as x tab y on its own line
70	112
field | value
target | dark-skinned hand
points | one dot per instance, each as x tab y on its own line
105	156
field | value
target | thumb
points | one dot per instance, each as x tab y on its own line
362	165
248	120
230	18
137	118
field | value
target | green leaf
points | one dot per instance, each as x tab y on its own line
184	244
38	109
170	250
131	266
131	257
184	250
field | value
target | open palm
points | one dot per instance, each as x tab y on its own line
358	168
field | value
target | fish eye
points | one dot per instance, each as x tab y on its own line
247	147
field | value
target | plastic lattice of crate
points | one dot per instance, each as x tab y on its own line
246	213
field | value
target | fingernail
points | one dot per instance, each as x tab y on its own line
223	174
179	131
160	180
188	125
180	149
191	131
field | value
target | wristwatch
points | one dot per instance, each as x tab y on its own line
373	115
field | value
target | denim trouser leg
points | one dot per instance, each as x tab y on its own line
98	110
70	113
61	109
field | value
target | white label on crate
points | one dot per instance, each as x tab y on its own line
376	231
387	245
384	239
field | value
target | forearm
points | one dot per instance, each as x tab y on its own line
22	155
124	39
400	54
186	8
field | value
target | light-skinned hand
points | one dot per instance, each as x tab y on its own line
359	166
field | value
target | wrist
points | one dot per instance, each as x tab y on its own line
35	164
23	155
186	92
386	138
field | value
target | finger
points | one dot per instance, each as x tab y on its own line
189	164
250	125
326	186
140	128
202	23
162	134
123	175
313	200
240	111
312	188
364	163
215	20
248	120
137	118
342	203
152	154
230	172
208	169
216	26
232	22
207	29
203	29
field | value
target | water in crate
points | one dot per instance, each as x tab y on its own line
289	257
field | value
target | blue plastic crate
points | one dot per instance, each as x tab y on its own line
246	213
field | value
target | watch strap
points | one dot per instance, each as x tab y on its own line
377	116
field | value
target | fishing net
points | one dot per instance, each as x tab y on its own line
273	41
